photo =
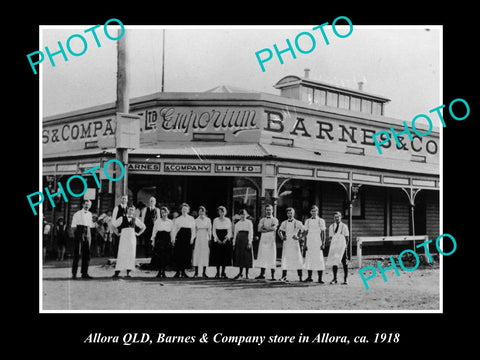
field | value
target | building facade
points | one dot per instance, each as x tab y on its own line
242	149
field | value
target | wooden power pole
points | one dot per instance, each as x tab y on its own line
122	106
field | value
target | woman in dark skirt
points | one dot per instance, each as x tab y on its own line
162	242
221	250
242	242
183	235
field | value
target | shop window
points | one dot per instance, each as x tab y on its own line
51	183
58	200
144	195
299	194
245	196
358	208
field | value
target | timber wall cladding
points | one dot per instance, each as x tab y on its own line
373	223
433	214
400	213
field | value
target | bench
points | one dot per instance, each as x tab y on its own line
379	240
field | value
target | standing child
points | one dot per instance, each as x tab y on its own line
47	228
61	236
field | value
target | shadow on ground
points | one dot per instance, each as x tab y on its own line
228	284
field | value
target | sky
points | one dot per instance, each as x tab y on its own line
400	63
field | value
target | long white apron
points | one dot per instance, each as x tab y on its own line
314	255
337	248
201	251
126	250
267	251
291	254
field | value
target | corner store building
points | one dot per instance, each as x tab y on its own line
311	145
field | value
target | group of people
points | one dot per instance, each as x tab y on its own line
56	237
186	241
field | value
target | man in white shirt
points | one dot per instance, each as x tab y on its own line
267	248
81	225
289	232
338	235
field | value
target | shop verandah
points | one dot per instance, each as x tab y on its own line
376	209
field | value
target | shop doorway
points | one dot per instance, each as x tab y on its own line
210	192
234	193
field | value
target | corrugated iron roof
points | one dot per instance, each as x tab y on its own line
203	150
337	158
229	89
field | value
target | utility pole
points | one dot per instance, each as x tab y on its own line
163	61
122	106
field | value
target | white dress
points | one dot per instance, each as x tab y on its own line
314	255
127	245
338	244
267	248
291	254
201	250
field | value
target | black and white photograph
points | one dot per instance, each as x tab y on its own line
267	168
195	181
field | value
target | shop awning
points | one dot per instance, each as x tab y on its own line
266	152
278	152
336	158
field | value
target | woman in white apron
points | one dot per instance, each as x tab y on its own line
338	235
291	255
128	241
315	236
201	250
267	248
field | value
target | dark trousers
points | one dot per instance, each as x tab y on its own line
81	249
115	241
